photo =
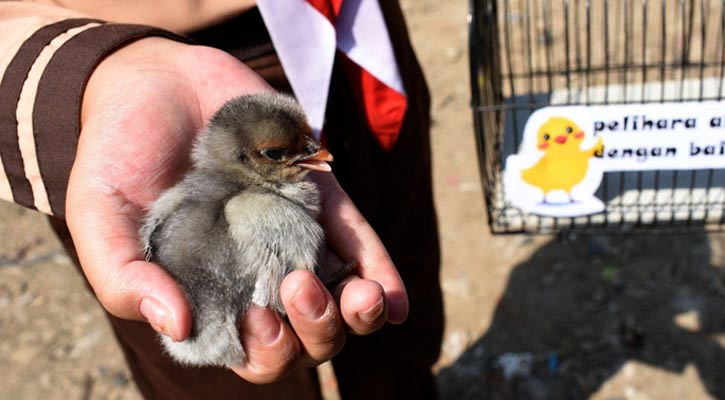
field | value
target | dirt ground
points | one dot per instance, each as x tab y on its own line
602	317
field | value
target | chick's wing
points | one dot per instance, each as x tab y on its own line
274	236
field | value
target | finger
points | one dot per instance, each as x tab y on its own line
362	303
270	344
350	235
314	316
104	233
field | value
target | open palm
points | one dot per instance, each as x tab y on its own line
141	111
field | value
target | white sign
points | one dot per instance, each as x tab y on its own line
566	149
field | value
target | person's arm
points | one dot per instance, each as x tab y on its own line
175	15
49	54
98	154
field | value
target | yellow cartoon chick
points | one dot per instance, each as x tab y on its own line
563	164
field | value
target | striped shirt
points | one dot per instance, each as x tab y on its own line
47	55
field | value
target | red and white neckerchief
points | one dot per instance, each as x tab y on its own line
308	33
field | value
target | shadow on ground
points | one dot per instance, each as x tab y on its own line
575	312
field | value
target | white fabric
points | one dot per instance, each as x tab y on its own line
305	42
363	36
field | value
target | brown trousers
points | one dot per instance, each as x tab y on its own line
392	189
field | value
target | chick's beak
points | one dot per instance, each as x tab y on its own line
317	161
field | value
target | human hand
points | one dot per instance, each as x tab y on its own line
142	108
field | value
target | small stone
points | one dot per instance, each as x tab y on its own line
87	342
24	299
631	393
455	344
61	259
689	321
453	53
120	379
24	354
38	301
459	287
44	379
516	364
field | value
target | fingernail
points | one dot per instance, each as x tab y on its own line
262	325
309	300
373	313
157	315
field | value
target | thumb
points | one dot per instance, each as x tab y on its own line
143	291
104	228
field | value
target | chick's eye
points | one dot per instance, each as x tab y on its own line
273	154
569	130
311	149
546	136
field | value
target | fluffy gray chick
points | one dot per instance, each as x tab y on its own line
239	221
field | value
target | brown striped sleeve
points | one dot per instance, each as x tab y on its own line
41	92
11	87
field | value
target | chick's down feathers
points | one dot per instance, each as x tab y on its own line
239	221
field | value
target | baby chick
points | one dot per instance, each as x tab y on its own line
563	164
239	221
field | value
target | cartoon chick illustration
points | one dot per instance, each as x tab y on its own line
563	164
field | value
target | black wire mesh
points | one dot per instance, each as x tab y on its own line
528	54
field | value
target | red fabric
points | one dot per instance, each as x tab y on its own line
384	107
329	8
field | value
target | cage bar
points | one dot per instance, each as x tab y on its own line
530	54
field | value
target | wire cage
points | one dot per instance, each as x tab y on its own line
527	55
